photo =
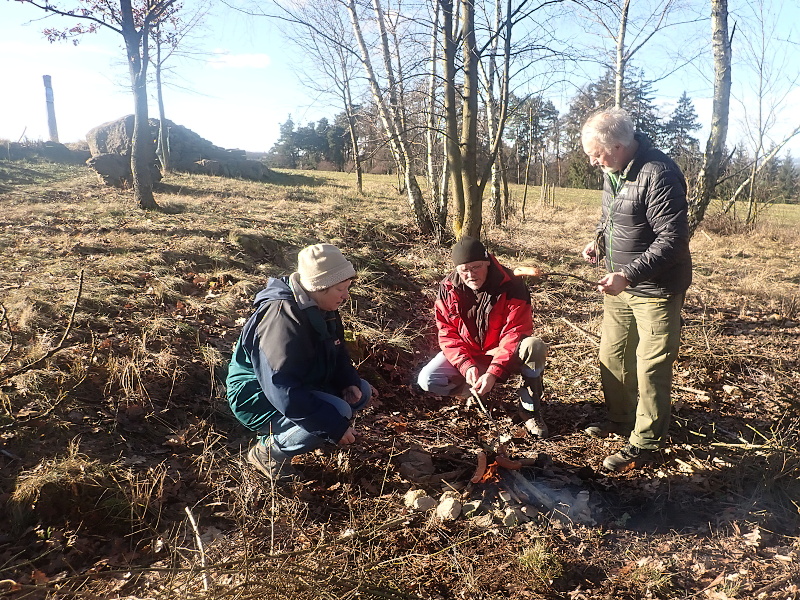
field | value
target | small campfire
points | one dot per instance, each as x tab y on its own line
500	490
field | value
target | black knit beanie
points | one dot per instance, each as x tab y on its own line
468	249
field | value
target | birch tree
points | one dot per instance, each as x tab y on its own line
387	97
702	191
613	21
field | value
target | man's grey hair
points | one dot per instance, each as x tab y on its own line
609	128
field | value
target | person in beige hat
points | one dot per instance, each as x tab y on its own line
291	379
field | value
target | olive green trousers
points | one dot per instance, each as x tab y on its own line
639	343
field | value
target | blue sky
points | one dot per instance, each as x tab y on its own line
236	97
237	93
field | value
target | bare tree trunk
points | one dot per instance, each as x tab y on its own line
162	150
454	159
391	117
431	134
709	170
351	125
506	191
469	123
141	144
619	76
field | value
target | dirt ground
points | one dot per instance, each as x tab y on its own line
121	467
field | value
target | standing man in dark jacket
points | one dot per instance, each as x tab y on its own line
644	236
484	323
290	378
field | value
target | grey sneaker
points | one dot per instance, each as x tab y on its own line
629	457
606	428
267	463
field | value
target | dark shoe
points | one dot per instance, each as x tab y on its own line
629	457
275	465
606	428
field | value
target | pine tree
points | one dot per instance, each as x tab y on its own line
284	152
636	99
679	141
789	180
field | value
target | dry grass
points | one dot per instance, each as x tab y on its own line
163	298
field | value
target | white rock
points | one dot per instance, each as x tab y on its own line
424	503
449	509
412	496
511	517
450	494
483	520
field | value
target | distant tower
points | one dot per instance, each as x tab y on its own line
51	111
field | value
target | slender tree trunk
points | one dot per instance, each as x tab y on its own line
495	198
431	133
469	123
506	191
162	151
141	144
621	61
391	118
709	170
454	159
351	125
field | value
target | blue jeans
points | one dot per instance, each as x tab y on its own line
289	440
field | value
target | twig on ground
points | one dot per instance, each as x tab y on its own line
777	583
200	548
593	337
59	347
684	388
4	319
755	447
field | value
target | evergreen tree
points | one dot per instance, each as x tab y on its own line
531	126
636	99
283	153
679	141
789	180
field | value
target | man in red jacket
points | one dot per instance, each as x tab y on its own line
484	320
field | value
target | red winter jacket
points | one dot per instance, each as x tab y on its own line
471	324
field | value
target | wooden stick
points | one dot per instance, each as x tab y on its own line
199	547
59	347
593	337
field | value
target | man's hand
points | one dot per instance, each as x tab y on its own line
472	376
612	284
484	384
590	252
352	394
348	438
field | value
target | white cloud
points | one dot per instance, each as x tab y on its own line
225	60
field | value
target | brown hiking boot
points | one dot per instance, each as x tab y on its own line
536	426
606	428
271	463
629	457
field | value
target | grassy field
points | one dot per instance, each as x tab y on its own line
120	463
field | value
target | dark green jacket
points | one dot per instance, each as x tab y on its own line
284	352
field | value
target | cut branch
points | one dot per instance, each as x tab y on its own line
61	344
